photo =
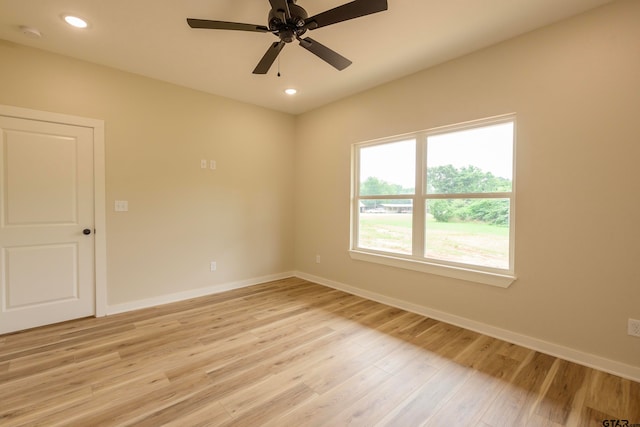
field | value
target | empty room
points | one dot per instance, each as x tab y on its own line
300	213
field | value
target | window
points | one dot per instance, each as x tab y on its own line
439	201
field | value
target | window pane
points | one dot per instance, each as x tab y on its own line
469	231
388	168
478	160
386	225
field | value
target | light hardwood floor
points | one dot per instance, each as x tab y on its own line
292	353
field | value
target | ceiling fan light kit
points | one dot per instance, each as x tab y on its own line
289	22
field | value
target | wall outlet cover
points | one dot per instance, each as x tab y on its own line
634	327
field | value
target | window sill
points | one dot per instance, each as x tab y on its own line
478	276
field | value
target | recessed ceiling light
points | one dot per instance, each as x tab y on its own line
290	91
74	21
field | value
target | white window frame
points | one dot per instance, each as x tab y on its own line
417	262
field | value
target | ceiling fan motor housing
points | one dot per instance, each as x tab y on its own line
288	29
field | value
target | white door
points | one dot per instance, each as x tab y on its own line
46	223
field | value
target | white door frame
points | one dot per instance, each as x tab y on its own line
100	237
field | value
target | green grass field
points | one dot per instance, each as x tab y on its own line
465	242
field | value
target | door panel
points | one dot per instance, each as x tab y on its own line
41	186
40	274
46	201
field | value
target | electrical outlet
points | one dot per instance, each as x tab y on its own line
203	163
317	259
634	328
213	266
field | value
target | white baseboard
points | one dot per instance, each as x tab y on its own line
193	293
590	360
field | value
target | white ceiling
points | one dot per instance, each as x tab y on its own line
151	37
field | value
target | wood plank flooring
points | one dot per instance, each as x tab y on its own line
292	353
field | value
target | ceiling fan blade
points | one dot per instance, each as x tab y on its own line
223	25
321	51
269	57
347	11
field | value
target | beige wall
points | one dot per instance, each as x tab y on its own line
180	217
576	91
575	87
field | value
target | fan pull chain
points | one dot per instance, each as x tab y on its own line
278	66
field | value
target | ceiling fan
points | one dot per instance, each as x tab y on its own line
289	22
